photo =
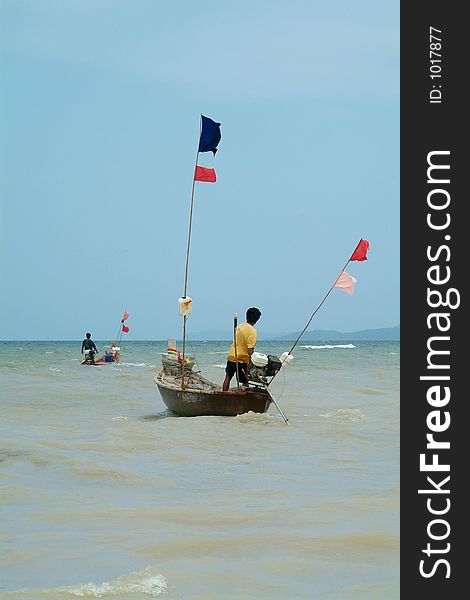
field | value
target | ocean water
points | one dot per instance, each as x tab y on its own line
105	494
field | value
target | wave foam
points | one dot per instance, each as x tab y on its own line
348	414
329	346
147	582
128	364
252	417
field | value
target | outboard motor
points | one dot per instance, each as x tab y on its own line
263	366
90	356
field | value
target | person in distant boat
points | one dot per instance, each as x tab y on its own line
89	344
246	342
111	354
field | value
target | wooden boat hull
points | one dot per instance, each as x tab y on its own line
98	362
198	403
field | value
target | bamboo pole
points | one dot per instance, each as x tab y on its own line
235	320
319	306
286	420
187	253
117	336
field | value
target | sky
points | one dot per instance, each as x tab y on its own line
100	105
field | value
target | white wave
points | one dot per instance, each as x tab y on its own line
329	346
55	369
119	418
218	352
348	414
147	582
252	417
128	364
219	366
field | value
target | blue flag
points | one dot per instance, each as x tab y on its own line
210	135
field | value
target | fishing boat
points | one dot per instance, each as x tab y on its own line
111	354
187	393
183	390
200	397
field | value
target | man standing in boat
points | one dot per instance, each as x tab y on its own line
89	344
245	346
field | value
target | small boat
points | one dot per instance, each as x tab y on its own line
198	396
184	391
111	354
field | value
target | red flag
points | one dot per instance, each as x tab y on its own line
125	328
360	253
125	316
203	174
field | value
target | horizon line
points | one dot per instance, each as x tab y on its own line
78	341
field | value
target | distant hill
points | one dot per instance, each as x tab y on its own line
391	334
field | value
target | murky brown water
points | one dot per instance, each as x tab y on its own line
105	494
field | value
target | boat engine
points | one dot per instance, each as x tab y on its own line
90	355
263	366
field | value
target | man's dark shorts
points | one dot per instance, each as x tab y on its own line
231	368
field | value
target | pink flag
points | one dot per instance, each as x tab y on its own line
125	316
346	282
360	253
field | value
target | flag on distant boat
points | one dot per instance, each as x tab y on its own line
124	316
360	253
125	328
346	282
210	135
204	174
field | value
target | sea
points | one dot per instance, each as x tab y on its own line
106	494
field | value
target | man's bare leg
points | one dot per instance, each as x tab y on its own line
226	383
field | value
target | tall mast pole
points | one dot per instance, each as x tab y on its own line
119	331
187	255
318	308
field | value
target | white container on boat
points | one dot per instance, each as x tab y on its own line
285	358
259	359
185	306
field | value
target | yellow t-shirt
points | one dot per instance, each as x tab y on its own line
246	338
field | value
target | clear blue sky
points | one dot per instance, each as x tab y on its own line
99	125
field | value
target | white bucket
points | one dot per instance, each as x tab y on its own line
259	359
285	358
185	306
